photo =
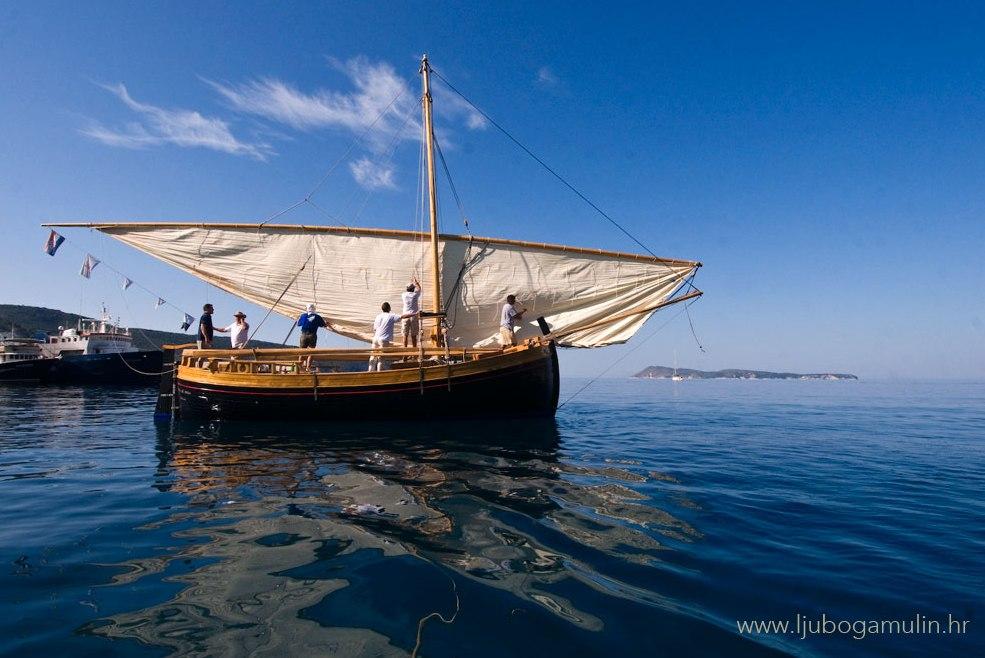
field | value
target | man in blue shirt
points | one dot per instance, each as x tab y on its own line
205	329
310	322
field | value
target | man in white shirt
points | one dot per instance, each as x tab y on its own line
383	332
239	331
508	319
412	304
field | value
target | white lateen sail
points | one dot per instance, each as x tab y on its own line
589	298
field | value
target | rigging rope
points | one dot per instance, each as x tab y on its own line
467	263
451	184
545	165
274	305
383	158
690	322
624	356
130	314
340	160
141	372
109	267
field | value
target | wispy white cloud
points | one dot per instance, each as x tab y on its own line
378	94
373	175
186	128
546	77
379	107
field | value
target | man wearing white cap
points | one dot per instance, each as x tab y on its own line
310	322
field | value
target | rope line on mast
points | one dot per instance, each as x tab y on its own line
274	305
693	333
117	272
690	286
451	184
383	158
324	212
130	313
467	263
352	144
545	165
623	357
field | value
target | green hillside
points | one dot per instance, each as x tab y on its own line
28	320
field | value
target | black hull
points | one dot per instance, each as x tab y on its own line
33	371
529	390
122	369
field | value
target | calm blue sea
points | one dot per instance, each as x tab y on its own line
651	519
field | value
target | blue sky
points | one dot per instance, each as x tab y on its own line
825	162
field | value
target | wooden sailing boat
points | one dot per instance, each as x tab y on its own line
579	298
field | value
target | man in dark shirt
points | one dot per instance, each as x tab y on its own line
310	322
205	328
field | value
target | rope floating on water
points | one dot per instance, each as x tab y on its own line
425	618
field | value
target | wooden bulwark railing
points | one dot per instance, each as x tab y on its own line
357	354
296	361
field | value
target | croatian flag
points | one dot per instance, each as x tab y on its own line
159	304
54	241
88	265
127	283
187	323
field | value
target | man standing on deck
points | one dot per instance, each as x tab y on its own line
205	328
508	320
310	322
412	304
239	331
383	332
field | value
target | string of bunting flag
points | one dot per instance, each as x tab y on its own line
90	262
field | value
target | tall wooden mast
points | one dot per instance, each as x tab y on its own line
432	194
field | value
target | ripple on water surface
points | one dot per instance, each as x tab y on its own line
645	521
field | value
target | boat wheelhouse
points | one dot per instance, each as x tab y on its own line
89	337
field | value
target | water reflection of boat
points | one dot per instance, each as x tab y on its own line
339	541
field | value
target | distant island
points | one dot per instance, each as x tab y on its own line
26	321
663	372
